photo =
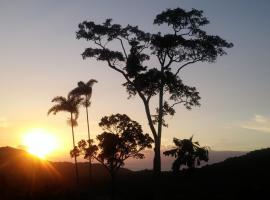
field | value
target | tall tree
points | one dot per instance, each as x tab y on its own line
187	153
184	43
70	105
85	90
122	138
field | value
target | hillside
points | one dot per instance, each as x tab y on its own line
32	178
29	175
239	177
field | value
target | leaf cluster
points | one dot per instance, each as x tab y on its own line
187	153
83	90
70	104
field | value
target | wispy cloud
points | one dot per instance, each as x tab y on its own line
258	123
3	122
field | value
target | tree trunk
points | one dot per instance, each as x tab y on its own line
88	129
75	157
157	158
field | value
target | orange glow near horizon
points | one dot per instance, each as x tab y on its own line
40	142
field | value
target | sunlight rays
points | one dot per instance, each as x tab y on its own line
40	142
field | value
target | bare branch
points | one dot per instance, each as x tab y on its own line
184	65
124	50
169	63
174	104
145	46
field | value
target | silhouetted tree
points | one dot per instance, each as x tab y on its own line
187	153
70	105
183	44
85	90
122	138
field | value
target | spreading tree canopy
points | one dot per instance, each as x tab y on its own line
130	51
121	139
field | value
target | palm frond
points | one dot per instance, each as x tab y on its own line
81	84
70	105
91	82
59	99
55	109
171	152
78	91
83	89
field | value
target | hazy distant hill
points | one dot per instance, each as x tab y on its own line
24	175
19	162
253	163
147	163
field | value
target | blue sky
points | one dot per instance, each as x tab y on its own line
40	59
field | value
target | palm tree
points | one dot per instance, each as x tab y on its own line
71	105
85	90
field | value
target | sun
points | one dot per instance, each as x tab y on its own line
40	142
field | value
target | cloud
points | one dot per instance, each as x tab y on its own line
258	123
3	122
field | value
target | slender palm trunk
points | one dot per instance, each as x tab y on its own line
75	157
90	164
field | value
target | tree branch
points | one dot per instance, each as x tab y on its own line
145	102
121	41
182	101
149	118
184	65
169	63
100	161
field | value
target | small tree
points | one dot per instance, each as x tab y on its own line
187	153
122	138
183	44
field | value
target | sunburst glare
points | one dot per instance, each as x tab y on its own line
40	142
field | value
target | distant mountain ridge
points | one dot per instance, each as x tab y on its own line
215	157
254	160
20	159
147	163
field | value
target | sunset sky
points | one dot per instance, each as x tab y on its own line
40	59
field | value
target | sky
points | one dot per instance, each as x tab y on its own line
40	58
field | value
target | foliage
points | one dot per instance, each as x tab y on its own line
187	153
184	43
70	105
83	89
